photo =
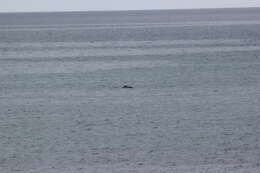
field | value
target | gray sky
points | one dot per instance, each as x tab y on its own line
85	5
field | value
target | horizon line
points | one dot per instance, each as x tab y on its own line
127	10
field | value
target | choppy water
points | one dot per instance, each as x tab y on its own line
194	105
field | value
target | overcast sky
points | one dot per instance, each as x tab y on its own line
86	5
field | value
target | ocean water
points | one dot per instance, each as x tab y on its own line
194	105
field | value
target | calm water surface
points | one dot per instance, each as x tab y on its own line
194	105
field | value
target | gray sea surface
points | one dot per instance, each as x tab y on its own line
194	106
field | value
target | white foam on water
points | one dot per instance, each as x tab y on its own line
79	67
121	43
122	52
125	26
